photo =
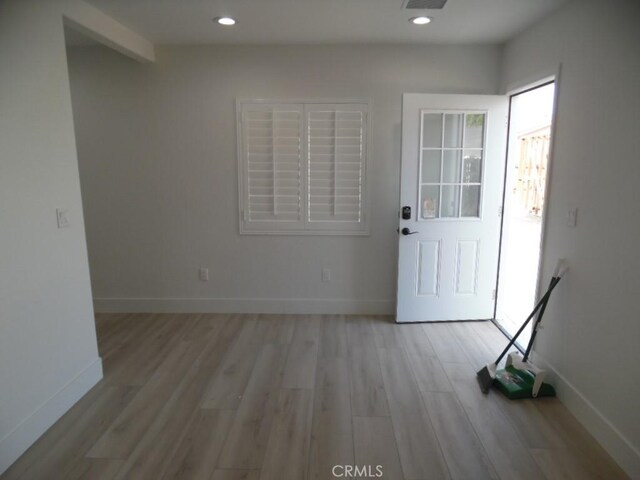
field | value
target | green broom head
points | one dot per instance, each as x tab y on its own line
515	383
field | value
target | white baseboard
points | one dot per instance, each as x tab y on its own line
16	442
246	305
609	437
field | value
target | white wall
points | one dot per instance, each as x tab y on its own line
48	354
592	329
158	166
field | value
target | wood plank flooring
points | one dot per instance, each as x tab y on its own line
287	397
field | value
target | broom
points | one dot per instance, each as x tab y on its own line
487	373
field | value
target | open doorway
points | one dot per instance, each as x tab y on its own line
530	127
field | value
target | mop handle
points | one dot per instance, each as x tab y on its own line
561	269
543	300
535	330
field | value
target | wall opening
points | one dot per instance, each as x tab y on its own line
530	127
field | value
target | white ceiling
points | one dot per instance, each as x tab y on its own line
324	21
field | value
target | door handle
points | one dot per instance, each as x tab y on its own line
406	231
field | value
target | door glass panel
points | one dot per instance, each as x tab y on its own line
472	170
471	201
453	125
429	201
450	201
431	130
431	166
451	165
452	161
474	130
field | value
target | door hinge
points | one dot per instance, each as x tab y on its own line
500	211
493	294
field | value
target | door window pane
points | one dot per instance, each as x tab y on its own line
431	130
451	165
471	201
453	125
472	169
431	166
474	130
450	201
429	200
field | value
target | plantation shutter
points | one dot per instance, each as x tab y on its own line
302	167
336	153
271	144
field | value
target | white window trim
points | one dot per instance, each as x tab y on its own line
364	230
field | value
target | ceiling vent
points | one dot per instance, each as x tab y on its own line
423	4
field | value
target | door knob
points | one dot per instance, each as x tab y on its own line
406	231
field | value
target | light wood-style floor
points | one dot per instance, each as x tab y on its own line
272	397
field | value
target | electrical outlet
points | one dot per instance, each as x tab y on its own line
203	274
63	219
326	275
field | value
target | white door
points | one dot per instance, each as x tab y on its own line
452	174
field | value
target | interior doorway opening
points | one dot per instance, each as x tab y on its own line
530	127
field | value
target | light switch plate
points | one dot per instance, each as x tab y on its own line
63	218
572	217
203	274
326	275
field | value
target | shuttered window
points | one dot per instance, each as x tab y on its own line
273	165
302	167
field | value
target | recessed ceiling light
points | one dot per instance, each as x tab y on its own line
227	21
420	20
